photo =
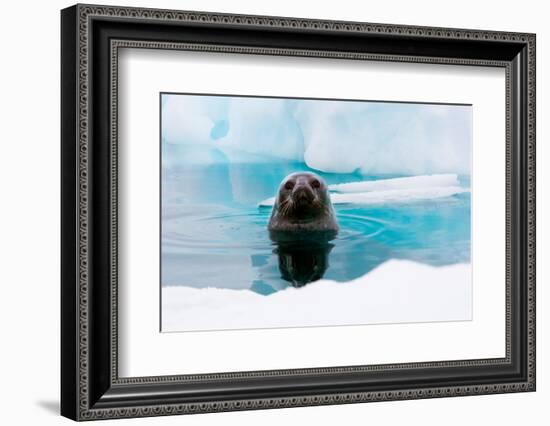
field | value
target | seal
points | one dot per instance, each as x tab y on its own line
301	226
303	205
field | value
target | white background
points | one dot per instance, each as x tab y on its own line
29	225
146	352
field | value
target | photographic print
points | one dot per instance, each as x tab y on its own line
300	212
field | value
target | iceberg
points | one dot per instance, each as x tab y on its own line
397	291
329	136
380	137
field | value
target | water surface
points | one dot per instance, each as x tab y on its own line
214	234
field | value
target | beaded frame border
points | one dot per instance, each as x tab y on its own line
88	12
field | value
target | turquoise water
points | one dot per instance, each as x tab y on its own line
214	234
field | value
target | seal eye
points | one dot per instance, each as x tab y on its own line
315	183
289	185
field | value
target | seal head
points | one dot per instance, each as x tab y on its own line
303	204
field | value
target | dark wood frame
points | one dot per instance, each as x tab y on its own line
90	38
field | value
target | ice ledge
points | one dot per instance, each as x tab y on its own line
397	291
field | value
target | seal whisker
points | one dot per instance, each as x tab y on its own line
285	207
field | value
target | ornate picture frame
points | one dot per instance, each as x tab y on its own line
91	37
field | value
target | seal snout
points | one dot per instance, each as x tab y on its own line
302	194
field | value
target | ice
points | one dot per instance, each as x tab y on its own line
264	128
397	195
190	119
376	138
413	182
243	129
329	136
395	292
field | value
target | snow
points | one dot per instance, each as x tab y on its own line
397	291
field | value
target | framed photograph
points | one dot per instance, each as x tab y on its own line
263	212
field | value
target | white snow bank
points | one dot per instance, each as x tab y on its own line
397	291
397	190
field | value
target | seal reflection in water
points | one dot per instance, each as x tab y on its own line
301	225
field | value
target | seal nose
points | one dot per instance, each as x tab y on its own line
302	194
